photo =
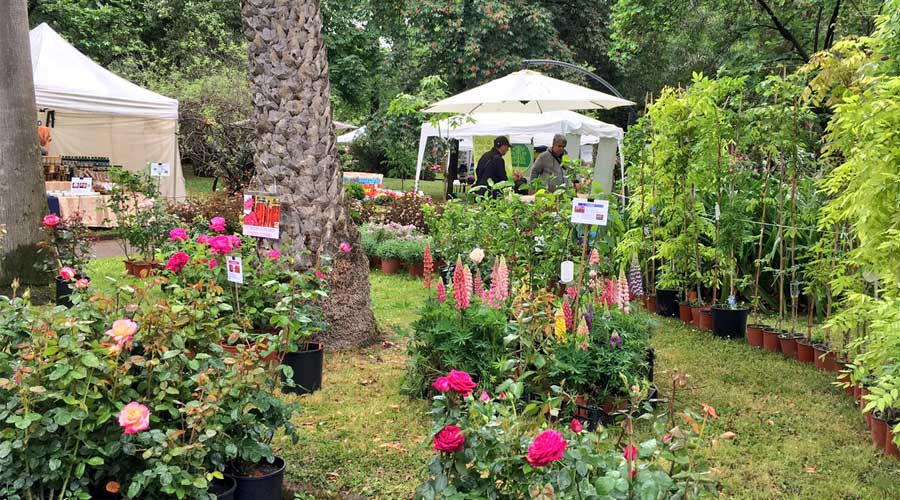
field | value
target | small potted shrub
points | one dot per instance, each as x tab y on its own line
390	251
730	319
414	254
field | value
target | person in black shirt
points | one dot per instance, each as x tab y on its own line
491	166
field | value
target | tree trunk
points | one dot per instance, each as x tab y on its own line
22	196
296	156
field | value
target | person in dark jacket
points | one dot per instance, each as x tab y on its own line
491	166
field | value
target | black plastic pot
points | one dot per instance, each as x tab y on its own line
64	290
224	488
265	487
667	303
307	366
729	323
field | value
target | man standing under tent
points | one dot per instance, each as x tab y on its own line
491	166
548	166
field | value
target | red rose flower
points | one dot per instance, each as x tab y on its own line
450	439
442	384
630	452
547	447
576	426
51	220
460	382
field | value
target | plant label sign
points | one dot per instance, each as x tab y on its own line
262	216
591	212
235	269
160	170
82	186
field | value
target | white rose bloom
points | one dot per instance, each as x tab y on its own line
476	255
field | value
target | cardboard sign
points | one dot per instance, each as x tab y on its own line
371	183
82	185
590	212
160	170
235	269
262	216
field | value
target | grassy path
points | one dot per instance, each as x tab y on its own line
797	436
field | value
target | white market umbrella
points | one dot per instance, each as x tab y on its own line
526	91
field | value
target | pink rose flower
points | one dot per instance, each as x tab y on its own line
122	331
576	426
450	439
442	384
213	263
178	234
67	273
217	224
485	397
547	447
667	438
630	452
320	274
460	382
345	247
135	418
177	262
235	241
203	239
51	220
220	245
274	254
82	283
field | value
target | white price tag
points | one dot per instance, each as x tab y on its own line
235	269
82	185
160	170
590	212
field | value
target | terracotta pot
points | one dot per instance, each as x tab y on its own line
821	350
581	403
129	267
856	392
692	296
613	404
142	269
684	311
831	362
770	340
644	301
788	344
890	447
390	266
755	335
695	316
879	431
805	352
651	303
415	270
706	318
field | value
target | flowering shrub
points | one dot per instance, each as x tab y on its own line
143	222
490	448
66	243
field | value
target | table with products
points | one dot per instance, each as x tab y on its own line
93	208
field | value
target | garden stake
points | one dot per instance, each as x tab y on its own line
762	231
584	245
781	243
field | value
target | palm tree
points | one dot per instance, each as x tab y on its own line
296	155
22	196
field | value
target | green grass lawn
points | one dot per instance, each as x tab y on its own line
796	435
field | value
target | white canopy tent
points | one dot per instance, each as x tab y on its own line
350	137
100	114
536	129
526	91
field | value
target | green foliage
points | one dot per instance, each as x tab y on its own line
492	462
143	221
354	191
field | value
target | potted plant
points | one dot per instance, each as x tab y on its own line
67	248
412	249
730	319
390	251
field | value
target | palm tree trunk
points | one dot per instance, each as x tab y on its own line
22	196
296	156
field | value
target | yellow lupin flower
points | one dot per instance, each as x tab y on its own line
559	327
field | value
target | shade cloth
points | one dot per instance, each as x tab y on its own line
101	114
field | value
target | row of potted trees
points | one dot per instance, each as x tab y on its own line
393	246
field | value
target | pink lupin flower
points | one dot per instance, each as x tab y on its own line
441	292
460	286
571	292
595	257
568	315
427	266
478	286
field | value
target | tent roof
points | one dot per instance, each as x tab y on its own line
522	127
351	136
64	78
526	91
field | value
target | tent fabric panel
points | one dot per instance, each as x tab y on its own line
128	141
605	163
